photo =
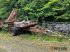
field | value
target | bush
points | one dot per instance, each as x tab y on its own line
5	27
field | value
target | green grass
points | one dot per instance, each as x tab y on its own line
29	36
49	38
8	36
3	50
46	38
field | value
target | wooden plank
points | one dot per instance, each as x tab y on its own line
12	16
26	25
1	23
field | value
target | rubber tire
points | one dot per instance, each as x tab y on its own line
14	31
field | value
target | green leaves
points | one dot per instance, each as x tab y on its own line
36	9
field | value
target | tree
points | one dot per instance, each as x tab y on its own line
41	10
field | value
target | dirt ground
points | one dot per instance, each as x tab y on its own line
19	47
16	44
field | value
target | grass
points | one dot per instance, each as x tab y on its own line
3	50
8	36
29	36
46	37
57	39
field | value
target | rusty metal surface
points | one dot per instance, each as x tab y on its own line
1	23
24	25
12	16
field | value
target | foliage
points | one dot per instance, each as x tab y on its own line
38	10
5	28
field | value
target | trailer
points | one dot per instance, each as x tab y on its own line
15	26
1	24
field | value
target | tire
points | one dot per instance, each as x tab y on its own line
0	29
14	31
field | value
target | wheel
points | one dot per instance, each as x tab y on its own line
14	31
0	29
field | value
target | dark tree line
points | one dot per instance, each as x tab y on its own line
38	10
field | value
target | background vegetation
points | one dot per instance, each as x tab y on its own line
38	10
